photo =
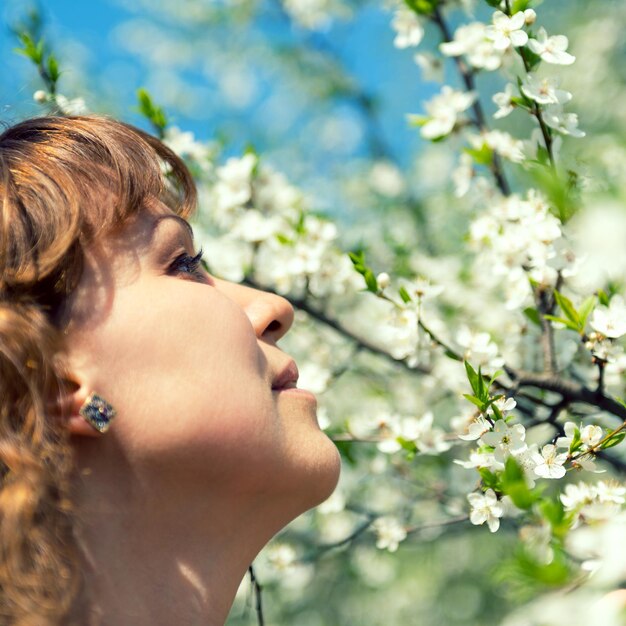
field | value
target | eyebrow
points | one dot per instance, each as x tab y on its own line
176	218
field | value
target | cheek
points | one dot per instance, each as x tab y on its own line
186	374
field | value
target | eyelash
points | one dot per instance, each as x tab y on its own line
189	264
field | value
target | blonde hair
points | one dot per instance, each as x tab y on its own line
63	182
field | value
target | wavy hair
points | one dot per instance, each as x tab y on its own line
64	181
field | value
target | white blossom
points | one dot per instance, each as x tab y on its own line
184	144
479	459
505	145
310	14
472	41
537	539
443	111
551	49
565	123
610	320
507	31
386	179
478	347
71	106
390	532
591	502
544	90
463	175
471	426
486	508
422	288
549	463
408	27
503	99
233	188
431	66
505	439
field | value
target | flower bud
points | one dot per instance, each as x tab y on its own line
383	280
529	16
40	96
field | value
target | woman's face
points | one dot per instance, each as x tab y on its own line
191	365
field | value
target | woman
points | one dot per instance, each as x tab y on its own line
152	436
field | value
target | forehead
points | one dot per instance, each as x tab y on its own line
148	226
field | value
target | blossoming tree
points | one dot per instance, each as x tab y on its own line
474	383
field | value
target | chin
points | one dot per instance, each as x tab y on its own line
321	475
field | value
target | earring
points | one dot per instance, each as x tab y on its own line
98	412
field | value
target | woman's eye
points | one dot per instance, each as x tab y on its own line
187	264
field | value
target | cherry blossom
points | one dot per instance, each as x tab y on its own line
507	31
505	439
544	90
472	41
486	508
408	27
551	49
503	99
610	320
443	111
549	463
390	532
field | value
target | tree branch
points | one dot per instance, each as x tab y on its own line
568	390
467	75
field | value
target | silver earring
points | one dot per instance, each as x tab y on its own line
98	412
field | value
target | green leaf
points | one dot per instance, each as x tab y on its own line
490	479
514	485
562	320
497	412
603	297
474	400
155	114
472	376
576	441
404	294
423	7
482	155
417	120
370	280
346	450
284	239
585	309
452	355
613	441
565	304
554	513
533	315
53	69
519	5
522	5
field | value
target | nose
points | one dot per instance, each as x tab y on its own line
271	315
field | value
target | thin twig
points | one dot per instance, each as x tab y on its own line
257	594
545	305
428	525
320	316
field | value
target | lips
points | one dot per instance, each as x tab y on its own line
287	378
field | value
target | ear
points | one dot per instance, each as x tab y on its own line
72	397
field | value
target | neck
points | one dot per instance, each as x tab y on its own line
157	562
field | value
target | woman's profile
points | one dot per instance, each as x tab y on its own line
152	437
